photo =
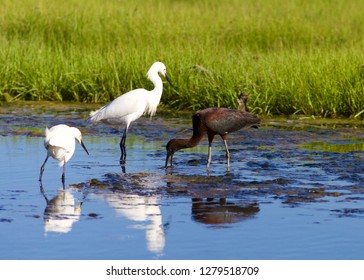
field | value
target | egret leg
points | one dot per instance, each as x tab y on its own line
42	169
227	153
122	148
42	191
63	175
41	187
123	170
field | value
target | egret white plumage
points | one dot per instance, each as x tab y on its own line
60	144
132	105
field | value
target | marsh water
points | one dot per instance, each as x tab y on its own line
294	190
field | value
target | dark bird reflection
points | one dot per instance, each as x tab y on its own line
61	212
123	170
219	212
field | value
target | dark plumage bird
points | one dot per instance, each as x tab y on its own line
242	102
213	121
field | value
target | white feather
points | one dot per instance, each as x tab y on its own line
132	105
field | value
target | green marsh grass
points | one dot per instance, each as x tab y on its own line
292	57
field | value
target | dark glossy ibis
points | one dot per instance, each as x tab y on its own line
213	121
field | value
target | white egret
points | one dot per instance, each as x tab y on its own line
132	105
60	144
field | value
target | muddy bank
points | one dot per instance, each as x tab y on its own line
291	179
294	160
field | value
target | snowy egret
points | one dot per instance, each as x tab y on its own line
133	104
59	142
213	121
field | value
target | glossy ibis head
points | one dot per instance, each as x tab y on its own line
173	146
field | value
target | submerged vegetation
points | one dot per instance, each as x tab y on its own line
292	57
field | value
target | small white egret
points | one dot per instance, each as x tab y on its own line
132	105
60	144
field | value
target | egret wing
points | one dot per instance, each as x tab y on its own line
128	103
59	136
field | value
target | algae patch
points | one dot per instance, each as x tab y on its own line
341	146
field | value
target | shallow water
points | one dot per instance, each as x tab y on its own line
294	191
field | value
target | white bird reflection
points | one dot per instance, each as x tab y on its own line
61	212
142	209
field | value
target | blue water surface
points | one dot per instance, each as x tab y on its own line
95	223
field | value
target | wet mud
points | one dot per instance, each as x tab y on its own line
294	161
292	173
